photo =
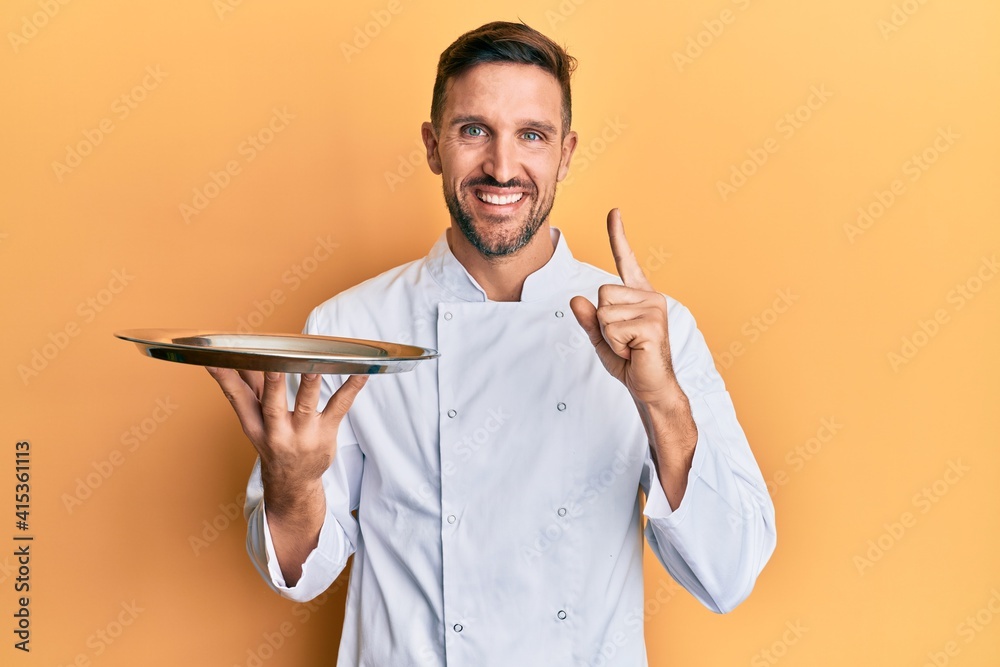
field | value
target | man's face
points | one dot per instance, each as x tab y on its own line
500	152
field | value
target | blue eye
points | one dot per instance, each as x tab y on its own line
474	131
532	136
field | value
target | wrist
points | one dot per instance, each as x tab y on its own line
290	499
665	403
673	436
668	418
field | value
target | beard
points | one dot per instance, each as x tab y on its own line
498	245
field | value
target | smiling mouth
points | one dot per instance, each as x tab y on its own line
499	200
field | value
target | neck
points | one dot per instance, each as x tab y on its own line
502	277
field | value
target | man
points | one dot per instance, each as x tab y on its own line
498	519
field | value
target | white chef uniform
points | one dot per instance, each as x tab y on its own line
497	487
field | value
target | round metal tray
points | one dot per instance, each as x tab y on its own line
287	353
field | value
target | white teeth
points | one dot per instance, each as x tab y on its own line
497	199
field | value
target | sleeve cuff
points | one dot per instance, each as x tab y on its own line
318	570
657	506
273	569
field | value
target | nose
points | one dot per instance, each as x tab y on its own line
501	159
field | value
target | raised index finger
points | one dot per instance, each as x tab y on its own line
628	266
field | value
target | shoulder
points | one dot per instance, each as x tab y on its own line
363	301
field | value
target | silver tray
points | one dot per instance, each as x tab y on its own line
287	353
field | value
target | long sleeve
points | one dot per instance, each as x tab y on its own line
338	537
723	532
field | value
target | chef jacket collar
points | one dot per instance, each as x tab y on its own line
546	281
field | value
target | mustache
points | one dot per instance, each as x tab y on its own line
494	183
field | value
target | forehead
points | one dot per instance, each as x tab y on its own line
502	90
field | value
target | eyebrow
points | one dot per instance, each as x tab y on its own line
534	124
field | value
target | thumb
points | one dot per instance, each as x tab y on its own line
586	315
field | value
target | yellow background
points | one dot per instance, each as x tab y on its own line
660	133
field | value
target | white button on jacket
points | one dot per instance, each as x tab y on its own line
497	487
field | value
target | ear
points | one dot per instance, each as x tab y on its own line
568	146
429	137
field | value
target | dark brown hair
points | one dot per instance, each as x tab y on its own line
503	42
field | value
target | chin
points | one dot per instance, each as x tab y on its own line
499	239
